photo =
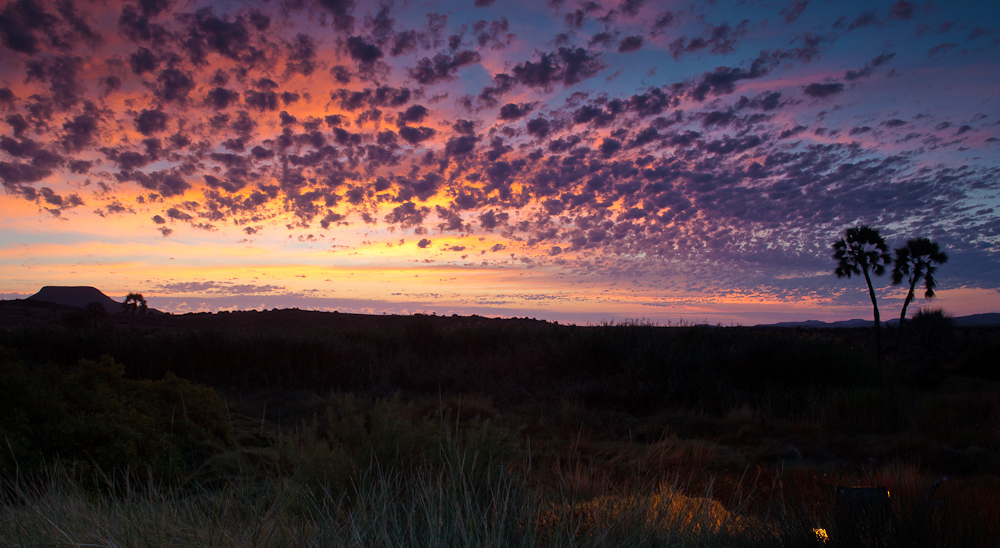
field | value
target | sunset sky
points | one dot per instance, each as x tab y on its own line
579	161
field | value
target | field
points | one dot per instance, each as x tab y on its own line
295	428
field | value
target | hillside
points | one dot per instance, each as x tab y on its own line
76	296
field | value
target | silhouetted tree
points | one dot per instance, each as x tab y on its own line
134	303
863	250
914	262
95	312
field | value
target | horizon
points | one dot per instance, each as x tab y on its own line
571	161
570	320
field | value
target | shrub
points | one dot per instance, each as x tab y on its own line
93	419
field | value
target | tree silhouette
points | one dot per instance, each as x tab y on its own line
916	261
134	303
95	312
863	250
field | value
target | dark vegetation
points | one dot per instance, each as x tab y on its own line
761	423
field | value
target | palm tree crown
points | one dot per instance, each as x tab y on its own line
862	250
917	261
134	302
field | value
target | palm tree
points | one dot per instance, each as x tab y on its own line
914	262
134	303
96	312
863	250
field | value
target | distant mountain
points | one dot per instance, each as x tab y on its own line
78	296
992	318
816	324
961	321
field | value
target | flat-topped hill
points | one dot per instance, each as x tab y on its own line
77	296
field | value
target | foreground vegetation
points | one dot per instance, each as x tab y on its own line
493	434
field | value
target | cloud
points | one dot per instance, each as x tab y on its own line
143	61
173	85
567	66
865	19
869	68
179	215
793	12
341	11
27	27
80	131
61	74
822	91
631	7
167	183
723	80
216	288
413	114
363	52
301	55
492	34
941	49
416	135
902	10
443	67
765	101
630	44
512	111
719	39
539	127
461	145
407	215
150	122
662	20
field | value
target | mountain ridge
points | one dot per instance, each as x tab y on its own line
990	318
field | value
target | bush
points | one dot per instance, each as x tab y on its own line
94	420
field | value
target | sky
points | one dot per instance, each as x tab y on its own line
577	161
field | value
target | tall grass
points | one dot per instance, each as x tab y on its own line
385	507
382	509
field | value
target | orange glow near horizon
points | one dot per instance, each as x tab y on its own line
396	277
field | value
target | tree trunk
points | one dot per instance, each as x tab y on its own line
878	322
902	315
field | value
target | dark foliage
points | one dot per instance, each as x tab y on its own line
632	368
92	419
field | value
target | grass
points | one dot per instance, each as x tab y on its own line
613	435
384	508
447	507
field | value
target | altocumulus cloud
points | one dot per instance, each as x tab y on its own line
533	128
